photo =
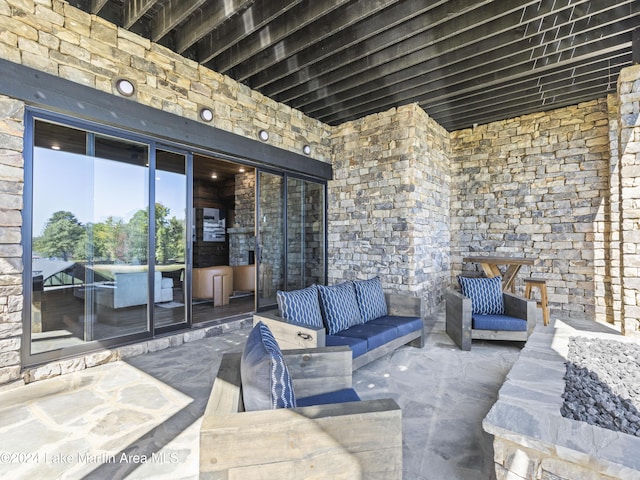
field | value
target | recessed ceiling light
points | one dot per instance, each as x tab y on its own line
241	169
214	175
125	87
55	147
264	135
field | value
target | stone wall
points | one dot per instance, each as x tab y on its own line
56	38
388	204
11	188
629	177
538	186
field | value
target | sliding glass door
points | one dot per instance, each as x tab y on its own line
271	239
170	296
305	230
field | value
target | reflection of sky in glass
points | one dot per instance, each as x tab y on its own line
94	189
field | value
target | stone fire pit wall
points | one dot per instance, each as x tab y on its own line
532	440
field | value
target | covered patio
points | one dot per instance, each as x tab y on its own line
458	129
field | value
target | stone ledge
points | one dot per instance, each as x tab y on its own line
61	367
532	439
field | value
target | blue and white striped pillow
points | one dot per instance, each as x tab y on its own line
301	306
339	307
485	294
370	299
266	383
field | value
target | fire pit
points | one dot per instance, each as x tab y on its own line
568	407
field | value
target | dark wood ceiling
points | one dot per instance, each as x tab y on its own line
464	62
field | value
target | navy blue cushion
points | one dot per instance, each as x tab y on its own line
339	307
498	322
358	346
300	306
339	396
266	383
371	300
375	335
405	325
485	294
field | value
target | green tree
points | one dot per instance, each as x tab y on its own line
136	238
61	236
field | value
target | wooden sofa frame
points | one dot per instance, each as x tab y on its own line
354	440
458	319
294	335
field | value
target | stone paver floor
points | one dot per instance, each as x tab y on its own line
139	419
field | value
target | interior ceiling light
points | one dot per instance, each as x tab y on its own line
306	149
264	135
55	147
125	87
206	115
214	175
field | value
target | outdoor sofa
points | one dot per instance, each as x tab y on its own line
357	314
293	414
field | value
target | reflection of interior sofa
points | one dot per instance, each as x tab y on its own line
213	282
244	278
130	289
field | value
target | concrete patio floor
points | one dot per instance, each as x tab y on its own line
140	418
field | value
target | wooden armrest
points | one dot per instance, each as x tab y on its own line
291	335
403	305
458	318
319	370
334	440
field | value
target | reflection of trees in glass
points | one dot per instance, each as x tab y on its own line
113	240
60	236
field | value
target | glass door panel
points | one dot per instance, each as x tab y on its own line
89	238
305	233
271	238
171	239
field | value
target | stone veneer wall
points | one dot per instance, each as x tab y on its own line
11	188
538	186
629	177
388	204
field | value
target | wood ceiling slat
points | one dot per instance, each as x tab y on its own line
96	6
171	15
287	24
603	68
488	77
310	37
133	10
235	29
510	99
383	52
413	17
476	66
463	48
207	19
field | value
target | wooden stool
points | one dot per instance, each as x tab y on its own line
541	284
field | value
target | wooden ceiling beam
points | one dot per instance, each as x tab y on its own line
467	63
206	20
171	15
291	21
133	10
235	29
410	18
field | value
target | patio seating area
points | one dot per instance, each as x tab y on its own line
140	418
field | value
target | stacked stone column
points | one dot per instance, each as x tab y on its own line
11	188
629	173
